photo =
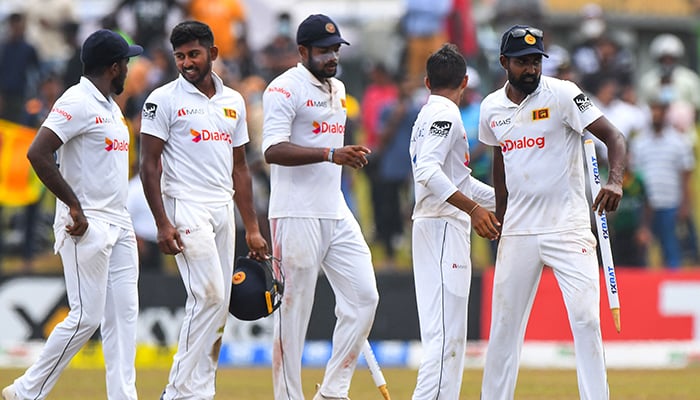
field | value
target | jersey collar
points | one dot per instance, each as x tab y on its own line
190	88
90	87
311	77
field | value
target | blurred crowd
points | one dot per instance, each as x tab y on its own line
655	107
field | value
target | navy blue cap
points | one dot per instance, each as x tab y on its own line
255	290
319	30
104	47
520	40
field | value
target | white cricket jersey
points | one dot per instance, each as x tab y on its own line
540	140
94	157
199	134
300	109
440	159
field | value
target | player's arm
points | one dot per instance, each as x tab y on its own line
499	183
41	156
150	171
609	196
289	154
243	196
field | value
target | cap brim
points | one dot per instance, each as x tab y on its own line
134	50
525	52
329	41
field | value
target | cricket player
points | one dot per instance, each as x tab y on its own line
536	124
195	127
448	202
81	154
312	227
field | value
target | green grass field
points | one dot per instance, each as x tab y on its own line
254	384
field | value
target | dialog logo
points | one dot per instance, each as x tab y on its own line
116	145
325	127
524	143
205	136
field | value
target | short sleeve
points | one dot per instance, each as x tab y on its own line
279	112
155	116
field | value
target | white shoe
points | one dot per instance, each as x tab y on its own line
319	396
9	393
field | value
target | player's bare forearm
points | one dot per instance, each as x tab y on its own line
289	154
499	184
610	194
484	222
243	197
150	172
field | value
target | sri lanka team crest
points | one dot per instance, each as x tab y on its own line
230	113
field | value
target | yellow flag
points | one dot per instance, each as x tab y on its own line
19	184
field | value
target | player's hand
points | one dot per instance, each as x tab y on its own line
80	223
257	245
608	198
354	156
485	223
169	241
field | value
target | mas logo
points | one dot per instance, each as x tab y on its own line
499	122
116	145
316	103
189	111
206	136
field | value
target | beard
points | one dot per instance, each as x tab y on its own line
118	83
526	84
321	70
198	75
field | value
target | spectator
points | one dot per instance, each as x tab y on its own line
19	63
150	17
45	22
424	28
629	232
629	118
393	169
666	163
280	53
73	68
675	82
227	21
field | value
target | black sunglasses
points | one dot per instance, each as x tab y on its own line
520	32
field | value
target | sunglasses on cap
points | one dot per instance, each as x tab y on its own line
520	32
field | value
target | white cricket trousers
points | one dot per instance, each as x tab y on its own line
101	273
442	273
206	266
519	263
305	246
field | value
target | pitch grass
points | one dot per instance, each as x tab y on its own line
254	384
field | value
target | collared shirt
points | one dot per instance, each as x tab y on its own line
300	109
540	140
440	158
199	134
94	157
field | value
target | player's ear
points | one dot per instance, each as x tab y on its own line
464	82
426	81
213	52
504	61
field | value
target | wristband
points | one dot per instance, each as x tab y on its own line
473	208
330	154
